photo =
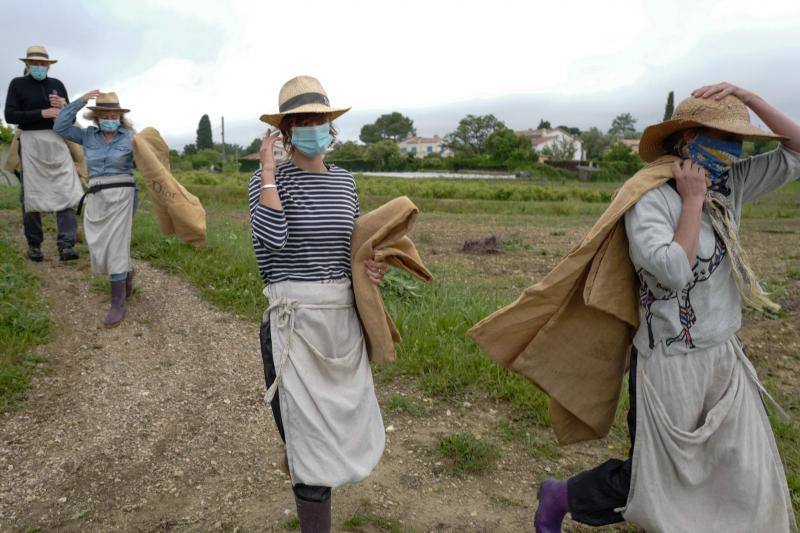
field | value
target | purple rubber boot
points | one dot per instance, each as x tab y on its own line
553	506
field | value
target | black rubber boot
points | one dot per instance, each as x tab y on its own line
35	254
315	517
117	311
129	284
67	254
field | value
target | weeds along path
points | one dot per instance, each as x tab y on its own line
159	425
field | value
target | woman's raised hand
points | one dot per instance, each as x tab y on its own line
718	91
265	152
94	93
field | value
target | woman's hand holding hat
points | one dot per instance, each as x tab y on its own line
94	93
719	91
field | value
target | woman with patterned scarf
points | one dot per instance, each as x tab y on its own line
704	457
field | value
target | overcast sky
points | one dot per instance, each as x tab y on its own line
578	63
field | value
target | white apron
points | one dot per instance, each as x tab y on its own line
51	182
705	457
107	222
331	418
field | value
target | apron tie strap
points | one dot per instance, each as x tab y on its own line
751	373
286	309
96	188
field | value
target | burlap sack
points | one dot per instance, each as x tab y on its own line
179	212
382	233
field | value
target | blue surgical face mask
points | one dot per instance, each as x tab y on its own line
312	140
38	72
717	157
108	126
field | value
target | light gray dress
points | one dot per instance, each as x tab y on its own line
705	457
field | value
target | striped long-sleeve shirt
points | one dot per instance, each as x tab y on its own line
309	240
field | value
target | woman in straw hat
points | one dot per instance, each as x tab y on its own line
112	192
50	182
704	457
319	383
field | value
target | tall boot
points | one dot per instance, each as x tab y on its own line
117	311
315	517
553	506
129	284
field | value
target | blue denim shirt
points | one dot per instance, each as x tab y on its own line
102	158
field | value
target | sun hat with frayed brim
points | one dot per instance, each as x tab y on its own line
302	94
108	102
37	53
728	114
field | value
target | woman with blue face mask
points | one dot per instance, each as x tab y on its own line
703	456
48	176
111	200
319	383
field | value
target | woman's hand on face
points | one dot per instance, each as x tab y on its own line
50	112
265	152
691	180
376	270
721	90
94	93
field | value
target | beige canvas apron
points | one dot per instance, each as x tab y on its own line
107	222
331	418
705	457
51	182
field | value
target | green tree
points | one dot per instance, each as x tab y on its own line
204	139
623	127
392	126
189	149
254	146
570	130
206	158
470	136
543	124
563	149
595	142
347	150
386	154
6	133
503	145
670	107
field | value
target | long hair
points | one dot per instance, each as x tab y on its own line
300	119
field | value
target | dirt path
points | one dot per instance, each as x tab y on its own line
159	425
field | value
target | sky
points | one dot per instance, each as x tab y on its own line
578	63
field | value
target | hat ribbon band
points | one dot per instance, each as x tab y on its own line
303	99
113	105
35	55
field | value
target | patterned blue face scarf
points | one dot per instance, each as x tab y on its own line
717	157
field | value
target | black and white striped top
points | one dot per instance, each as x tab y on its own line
310	239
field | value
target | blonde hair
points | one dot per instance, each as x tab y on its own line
123	121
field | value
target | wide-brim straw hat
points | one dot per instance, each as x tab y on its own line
728	114
37	53
302	94
108	102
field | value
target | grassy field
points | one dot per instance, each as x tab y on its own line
23	321
539	223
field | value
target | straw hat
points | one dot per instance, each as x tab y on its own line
107	102
729	115
37	53
302	94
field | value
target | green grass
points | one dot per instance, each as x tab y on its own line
291	524
24	322
401	404
464	453
364	516
538	446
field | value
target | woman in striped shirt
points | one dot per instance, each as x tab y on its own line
319	383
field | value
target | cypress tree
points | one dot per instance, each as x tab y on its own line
670	106
204	139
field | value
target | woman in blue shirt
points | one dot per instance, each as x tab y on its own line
111	200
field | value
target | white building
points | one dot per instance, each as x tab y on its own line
423	146
551	137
